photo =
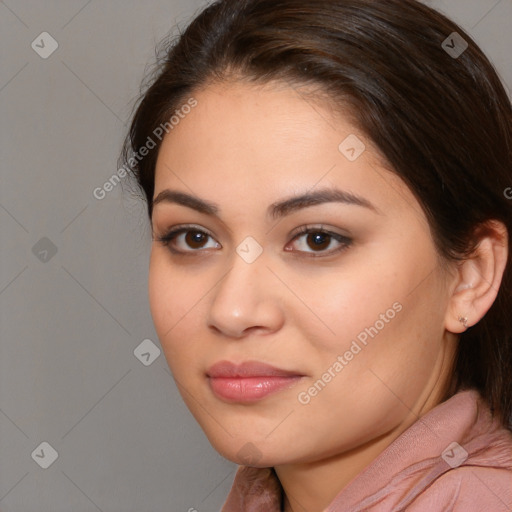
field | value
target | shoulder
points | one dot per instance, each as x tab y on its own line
467	489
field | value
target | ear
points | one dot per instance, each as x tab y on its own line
478	278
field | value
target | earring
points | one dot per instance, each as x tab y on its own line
464	321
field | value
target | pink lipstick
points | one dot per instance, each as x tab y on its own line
250	381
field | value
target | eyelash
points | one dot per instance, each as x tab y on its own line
173	233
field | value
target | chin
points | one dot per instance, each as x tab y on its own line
250	453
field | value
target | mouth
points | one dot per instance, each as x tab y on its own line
250	381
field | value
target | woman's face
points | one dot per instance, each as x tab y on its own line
354	318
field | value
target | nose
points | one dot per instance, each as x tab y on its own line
246	300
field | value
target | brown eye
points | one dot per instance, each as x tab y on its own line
318	240
315	241
195	239
185	240
188	241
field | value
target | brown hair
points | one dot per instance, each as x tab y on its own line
442	121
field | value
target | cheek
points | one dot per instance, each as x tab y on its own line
159	293
169	297
347	305
378	294
374	317
389	352
176	305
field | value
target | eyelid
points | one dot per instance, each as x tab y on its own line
171	234
306	228
345	241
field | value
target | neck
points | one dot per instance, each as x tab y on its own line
312	486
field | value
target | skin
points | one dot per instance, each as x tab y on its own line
245	147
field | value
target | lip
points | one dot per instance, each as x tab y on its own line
249	381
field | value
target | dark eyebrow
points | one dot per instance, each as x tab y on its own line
275	210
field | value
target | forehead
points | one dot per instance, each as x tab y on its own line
242	119
268	141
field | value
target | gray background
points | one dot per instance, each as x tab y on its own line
70	321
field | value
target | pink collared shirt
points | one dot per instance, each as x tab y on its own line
455	458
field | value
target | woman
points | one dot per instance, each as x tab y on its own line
330	275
